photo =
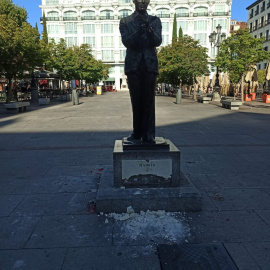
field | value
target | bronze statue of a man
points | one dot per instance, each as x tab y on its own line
141	34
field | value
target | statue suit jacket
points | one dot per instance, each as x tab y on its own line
140	44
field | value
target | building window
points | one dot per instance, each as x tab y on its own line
263	7
70	16
165	40
106	15
219	10
52	2
107	28
250	26
221	22
182	12
200	11
202	37
163	13
122	68
52	16
165	26
88	15
107	41
266	48
124	13
183	24
89	28
267	35
265	65
255	36
120	42
261	34
53	29
107	55
259	66
112	70
90	41
123	55
251	14
70	28
71	41
200	25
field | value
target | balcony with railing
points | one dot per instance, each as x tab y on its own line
182	14
70	18
50	19
163	15
200	14
262	9
256	12
266	22
111	17
255	27
221	13
88	18
268	5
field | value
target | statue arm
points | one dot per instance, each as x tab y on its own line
154	33
129	39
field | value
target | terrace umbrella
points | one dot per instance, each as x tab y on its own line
267	75
206	82
252	77
225	84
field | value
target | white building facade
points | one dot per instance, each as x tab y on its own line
259	24
96	22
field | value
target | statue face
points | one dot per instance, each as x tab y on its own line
141	5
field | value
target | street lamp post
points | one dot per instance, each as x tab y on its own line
215	39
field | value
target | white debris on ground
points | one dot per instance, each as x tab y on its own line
153	226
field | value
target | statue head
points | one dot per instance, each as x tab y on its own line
141	5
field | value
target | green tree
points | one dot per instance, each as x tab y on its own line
239	53
174	31
261	76
45	32
12	11
180	33
181	62
20	49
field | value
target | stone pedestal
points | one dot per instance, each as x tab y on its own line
146	177
144	165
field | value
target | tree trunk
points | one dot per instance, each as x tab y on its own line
9	92
242	89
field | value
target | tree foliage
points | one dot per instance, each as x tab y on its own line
261	76
239	53
20	48
75	62
174	30
12	11
44	32
182	61
180	32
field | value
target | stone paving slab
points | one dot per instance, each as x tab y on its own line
227	226
32	259
112	258
198	256
15	231
71	231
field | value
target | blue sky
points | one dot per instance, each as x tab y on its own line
239	11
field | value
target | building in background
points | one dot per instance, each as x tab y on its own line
236	25
96	22
259	24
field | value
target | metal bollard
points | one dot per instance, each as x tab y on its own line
75	97
178	96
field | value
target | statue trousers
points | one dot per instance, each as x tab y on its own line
142	86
